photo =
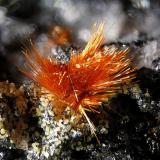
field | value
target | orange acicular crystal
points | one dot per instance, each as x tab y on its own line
87	80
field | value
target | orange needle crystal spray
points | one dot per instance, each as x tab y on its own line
91	76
